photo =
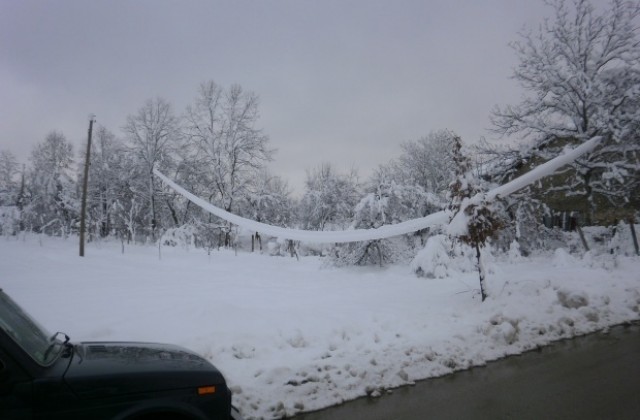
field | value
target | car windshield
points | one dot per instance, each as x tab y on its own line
43	347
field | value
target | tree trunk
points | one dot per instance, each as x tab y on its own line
590	209
172	212
227	238
152	203
105	224
481	273
292	250
85	186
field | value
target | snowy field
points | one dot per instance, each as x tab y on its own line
295	336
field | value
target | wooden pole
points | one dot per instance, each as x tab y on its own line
85	186
633	235
582	238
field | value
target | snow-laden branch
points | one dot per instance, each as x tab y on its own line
386	231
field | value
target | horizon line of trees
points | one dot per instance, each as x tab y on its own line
581	71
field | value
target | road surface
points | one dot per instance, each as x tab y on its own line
592	377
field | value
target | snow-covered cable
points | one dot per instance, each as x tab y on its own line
544	170
386	231
339	236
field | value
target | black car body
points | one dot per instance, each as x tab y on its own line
48	377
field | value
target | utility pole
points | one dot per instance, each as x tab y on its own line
85	184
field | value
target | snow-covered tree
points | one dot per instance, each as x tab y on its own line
9	194
582	70
107	178
9	170
269	200
228	147
153	138
386	202
329	198
53	203
426	162
228	150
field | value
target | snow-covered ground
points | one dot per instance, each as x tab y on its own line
295	336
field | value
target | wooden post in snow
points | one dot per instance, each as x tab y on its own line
633	235
85	184
584	241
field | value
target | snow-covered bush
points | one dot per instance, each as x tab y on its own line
435	259
378	252
284	247
386	203
621	242
183	236
443	257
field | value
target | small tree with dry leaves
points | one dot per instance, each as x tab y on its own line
481	220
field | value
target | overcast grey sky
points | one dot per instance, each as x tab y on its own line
344	82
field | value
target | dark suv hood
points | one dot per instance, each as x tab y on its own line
102	369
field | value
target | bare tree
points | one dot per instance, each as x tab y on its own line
582	70
220	126
153	135
107	175
228	148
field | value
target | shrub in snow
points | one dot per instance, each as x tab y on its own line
434	260
621	240
183	236
378	252
441	257
284	247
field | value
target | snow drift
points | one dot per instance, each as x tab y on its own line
294	336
